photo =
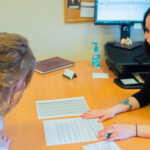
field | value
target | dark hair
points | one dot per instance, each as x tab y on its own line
145	16
146	45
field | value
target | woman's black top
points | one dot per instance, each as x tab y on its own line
143	96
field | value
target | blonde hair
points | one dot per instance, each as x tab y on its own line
16	62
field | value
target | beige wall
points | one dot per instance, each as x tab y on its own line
42	22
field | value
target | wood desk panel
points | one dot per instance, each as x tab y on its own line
27	132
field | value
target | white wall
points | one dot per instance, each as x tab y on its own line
42	22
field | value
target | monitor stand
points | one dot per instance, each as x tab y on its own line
130	47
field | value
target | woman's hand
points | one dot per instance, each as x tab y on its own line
102	114
119	132
4	142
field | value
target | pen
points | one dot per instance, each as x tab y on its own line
108	136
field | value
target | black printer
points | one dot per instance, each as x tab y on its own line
131	65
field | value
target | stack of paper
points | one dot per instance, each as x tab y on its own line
61	107
74	130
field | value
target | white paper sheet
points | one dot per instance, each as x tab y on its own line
102	146
87	9
100	75
128	81
74	130
61	107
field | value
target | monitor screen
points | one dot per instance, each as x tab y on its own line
120	11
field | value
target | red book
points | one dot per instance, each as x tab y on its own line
52	64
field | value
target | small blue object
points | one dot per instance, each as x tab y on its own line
95	48
108	136
96	57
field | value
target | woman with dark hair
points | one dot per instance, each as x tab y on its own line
136	101
147	42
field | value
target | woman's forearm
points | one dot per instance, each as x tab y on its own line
104	114
127	105
143	131
124	131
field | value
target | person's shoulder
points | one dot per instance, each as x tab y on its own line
3	148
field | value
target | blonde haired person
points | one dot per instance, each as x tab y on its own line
16	68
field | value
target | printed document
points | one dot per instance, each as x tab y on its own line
102	146
74	130
61	107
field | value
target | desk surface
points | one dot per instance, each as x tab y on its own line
27	132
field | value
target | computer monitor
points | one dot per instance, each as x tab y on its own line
120	12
